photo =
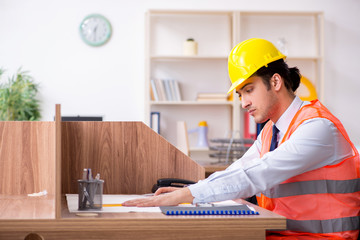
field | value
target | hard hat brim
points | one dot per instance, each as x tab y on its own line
238	84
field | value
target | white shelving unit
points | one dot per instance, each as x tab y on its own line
216	33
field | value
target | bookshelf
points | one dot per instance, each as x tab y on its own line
216	32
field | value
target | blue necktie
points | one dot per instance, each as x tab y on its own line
274	139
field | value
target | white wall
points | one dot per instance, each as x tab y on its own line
42	37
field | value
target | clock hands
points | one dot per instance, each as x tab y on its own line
95	28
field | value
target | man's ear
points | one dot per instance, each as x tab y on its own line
276	81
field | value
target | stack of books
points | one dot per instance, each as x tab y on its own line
165	90
212	97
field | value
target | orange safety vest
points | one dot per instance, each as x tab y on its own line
322	203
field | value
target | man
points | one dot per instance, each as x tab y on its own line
302	165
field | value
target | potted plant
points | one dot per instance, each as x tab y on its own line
18	100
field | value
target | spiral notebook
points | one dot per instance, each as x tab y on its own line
208	210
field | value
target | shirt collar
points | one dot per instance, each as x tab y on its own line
284	121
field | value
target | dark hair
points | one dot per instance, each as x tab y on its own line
291	76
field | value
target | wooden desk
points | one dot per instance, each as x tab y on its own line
128	225
52	155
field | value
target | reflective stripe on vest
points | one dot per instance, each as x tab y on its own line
325	226
313	187
321	201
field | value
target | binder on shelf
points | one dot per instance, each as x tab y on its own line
155	121
212	210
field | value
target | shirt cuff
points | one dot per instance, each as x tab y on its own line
200	191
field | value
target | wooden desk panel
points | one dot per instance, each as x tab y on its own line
130	157
27	157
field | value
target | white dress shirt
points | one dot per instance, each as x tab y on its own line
314	144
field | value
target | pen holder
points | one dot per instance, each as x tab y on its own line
90	194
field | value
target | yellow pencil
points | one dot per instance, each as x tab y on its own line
113	205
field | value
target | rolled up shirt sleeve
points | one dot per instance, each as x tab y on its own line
316	143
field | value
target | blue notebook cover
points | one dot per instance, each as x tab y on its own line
208	210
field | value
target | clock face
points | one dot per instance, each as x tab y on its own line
95	30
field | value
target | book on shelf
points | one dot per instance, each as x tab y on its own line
168	93
154	92
177	90
212	97
161	89
165	90
172	90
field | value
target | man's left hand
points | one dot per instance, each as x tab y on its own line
173	198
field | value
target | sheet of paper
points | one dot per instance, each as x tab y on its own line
72	201
230	203
226	203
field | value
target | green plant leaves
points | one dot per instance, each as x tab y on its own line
18	100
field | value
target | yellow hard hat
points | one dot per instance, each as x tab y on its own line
249	56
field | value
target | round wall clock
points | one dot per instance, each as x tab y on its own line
95	30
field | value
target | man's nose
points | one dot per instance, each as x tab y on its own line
245	102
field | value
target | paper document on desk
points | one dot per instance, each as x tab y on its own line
110	200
